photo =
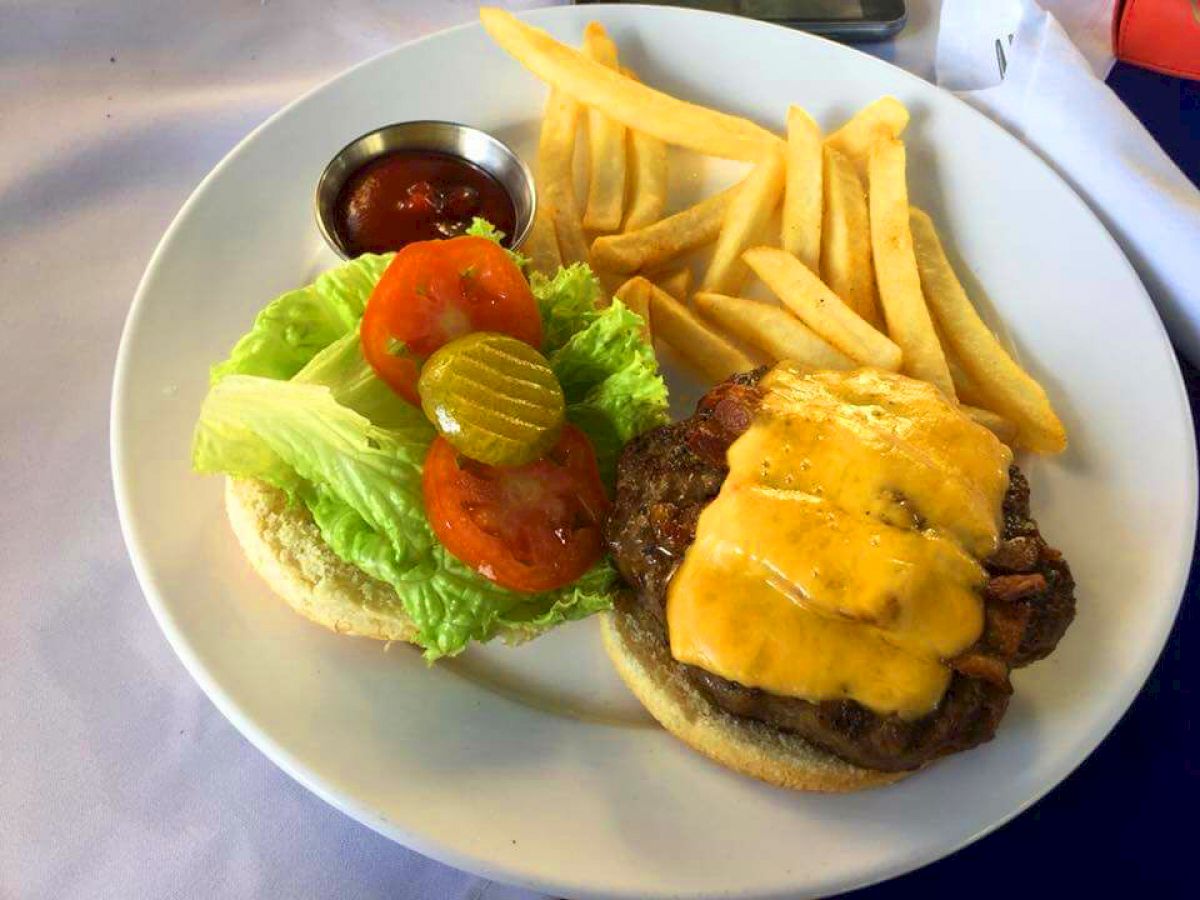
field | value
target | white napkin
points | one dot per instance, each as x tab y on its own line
1013	60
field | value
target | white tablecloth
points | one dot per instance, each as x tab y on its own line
117	776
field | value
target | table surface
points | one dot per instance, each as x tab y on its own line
120	779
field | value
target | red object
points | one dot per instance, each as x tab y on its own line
529	528
1163	35
415	195
436	291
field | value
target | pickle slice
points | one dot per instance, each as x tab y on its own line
493	397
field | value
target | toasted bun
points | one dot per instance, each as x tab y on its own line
744	745
285	547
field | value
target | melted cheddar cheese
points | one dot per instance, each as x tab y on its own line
841	558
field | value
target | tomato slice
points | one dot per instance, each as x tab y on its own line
530	528
436	291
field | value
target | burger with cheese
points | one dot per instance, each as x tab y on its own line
831	576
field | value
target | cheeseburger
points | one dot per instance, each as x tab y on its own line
831	576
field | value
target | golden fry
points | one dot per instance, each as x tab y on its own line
606	145
646	165
774	331
635	294
1001	427
541	245
1002	384
629	102
802	204
743	224
908	321
677	284
964	385
846	238
821	309
609	282
556	155
855	139
688	335
666	239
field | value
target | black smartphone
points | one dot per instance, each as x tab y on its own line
845	20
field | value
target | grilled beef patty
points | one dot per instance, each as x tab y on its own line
667	476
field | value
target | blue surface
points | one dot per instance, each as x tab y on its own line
1128	818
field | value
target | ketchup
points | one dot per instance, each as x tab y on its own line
417	195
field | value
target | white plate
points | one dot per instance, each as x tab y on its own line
534	765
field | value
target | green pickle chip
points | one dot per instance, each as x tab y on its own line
493	397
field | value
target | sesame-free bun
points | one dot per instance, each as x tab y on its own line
744	745
285	547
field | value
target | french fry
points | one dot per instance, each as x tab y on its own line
677	284
1005	386
556	156
632	104
846	238
666	239
1003	428
908	320
744	222
541	244
689	336
802	204
606	146
609	281
855	138
774	331
964	385
646	167
821	309
635	294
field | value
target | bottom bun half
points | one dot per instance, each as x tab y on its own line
285	547
744	745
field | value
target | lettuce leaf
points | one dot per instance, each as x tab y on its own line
305	437
608	373
610	379
362	484
293	328
342	368
297	406
485	229
567	303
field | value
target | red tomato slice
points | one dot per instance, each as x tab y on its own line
530	528
436	291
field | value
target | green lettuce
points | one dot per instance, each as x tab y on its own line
483	228
362	484
342	368
305	438
294	327
567	303
608	372
297	406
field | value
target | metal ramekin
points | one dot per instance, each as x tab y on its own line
489	153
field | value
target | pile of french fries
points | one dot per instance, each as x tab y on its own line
823	221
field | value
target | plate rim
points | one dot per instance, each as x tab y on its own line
499	870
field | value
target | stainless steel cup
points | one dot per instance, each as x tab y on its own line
478	147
